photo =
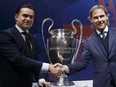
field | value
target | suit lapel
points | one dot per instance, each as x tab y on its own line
18	36
100	45
19	40
111	40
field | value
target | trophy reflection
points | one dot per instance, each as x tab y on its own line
62	48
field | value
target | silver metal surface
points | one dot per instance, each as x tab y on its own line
62	48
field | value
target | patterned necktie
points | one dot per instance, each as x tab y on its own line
27	41
103	35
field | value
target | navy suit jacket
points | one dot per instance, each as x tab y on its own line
16	64
104	64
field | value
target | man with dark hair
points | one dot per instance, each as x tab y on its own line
18	53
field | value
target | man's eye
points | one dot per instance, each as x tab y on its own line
95	17
101	16
26	15
30	16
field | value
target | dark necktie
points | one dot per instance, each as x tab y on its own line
105	41
27	41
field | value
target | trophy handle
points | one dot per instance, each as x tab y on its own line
80	38
45	20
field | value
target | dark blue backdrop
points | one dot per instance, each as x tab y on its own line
62	12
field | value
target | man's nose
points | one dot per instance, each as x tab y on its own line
99	19
28	18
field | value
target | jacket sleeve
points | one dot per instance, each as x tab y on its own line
11	53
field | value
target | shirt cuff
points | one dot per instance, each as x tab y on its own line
45	67
67	69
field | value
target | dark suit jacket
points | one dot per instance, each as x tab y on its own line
16	64
104	64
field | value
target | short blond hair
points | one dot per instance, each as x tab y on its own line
97	7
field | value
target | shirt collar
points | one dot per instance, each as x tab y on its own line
19	29
105	30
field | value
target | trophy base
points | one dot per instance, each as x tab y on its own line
66	84
63	82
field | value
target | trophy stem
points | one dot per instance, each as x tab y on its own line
63	82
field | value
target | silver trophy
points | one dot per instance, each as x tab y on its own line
62	48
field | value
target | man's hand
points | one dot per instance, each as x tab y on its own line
43	83
57	69
63	68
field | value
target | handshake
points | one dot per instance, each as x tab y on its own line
57	69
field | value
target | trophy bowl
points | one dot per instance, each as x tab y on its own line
62	48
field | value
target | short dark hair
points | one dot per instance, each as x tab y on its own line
24	6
